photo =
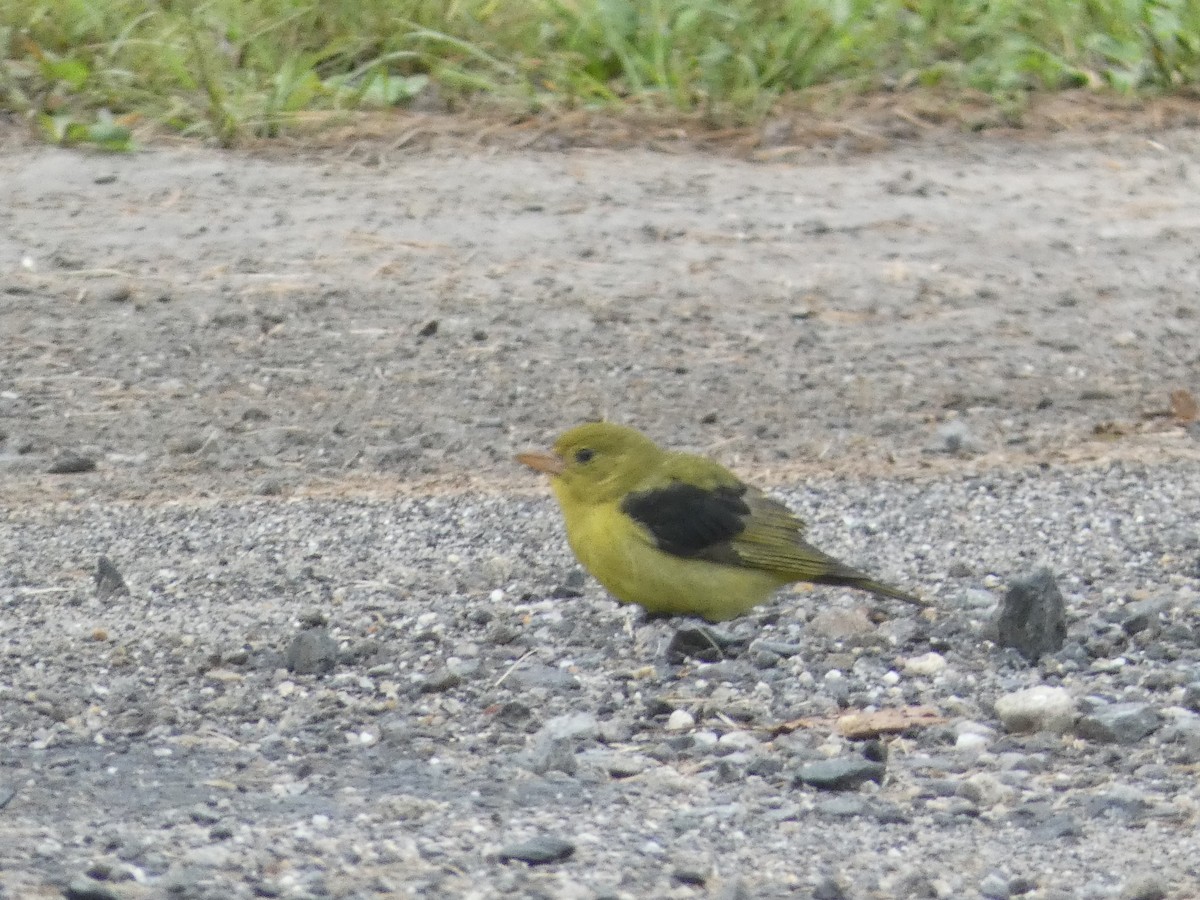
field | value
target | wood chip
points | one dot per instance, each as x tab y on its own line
1183	406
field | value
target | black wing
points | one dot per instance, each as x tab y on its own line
691	521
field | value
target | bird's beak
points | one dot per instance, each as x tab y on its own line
541	461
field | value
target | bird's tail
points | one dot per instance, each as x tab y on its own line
847	577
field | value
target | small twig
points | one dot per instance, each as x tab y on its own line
512	668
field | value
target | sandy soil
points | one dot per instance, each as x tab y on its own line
197	320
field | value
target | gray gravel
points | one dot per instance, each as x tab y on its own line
279	617
160	736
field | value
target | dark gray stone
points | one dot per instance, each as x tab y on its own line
1118	723
1145	887
1142	614
72	464
1032	617
702	643
538	851
843	774
311	652
828	889
843	807
84	888
109	582
1191	697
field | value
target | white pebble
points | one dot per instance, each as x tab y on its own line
680	720
496	596
926	665
891	678
969	742
1040	708
738	740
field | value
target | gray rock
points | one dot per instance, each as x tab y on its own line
551	755
312	651
843	807
1191	697
1144	887
703	643
994	887
1032	617
1124	800
1140	615
441	680
828	888
846	773
690	872
548	677
1040	708
538	851
109	582
84	888
72	464
571	726
956	436
1118	723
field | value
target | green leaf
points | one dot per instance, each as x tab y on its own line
72	72
390	90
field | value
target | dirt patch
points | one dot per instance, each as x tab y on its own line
206	321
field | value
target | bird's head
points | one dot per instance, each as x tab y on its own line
595	463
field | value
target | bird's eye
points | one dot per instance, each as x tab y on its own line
584	455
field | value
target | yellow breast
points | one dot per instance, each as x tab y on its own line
623	558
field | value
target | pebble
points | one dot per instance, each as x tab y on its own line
828	888
843	806
1040	708
994	887
538	851
1145	887
680	720
1118	723
1141	614
109	582
734	741
925	665
551	755
551	678
845	773
1032	616
85	888
970	742
626	765
72	464
702	643
841	624
1191	696
690	872
577	726
956	436
985	790
312	651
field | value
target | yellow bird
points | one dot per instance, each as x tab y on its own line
676	533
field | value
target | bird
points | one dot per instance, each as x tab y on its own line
677	533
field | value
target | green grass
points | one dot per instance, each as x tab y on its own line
229	69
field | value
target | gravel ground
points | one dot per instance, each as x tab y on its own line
339	648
